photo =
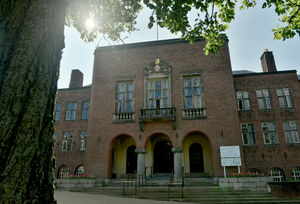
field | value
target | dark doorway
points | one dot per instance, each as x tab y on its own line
196	158
131	160
163	157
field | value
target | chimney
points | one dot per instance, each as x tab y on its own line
267	61
76	79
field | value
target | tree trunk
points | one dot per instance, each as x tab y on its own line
31	43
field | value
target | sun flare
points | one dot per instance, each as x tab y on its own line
90	24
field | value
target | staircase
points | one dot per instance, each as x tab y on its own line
196	190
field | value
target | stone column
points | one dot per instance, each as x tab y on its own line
177	163
141	161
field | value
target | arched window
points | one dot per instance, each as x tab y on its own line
253	171
79	170
296	173
277	174
63	172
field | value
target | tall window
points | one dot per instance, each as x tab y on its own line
192	93
71	111
67	141
57	112
296	173
277	174
269	132
85	110
263	99
291	132
158	93
248	134
54	137
82	140
125	97
243	100
284	98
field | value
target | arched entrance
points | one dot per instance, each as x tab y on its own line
196	158
131	160
163	157
197	155
123	156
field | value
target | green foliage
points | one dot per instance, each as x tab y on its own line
112	17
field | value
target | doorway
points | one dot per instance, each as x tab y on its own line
196	158
163	157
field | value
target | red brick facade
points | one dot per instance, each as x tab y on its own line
216	123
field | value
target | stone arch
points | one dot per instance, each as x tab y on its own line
118	151
79	170
197	139
159	157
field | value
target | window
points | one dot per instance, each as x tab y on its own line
284	98
296	173
79	171
63	172
54	137
253	171
67	141
125	97
263	99
192	93
243	100
85	110
248	134
158	93
269	132
71	111
277	175
291	132
82	140
57	112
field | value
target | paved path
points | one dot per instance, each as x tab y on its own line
66	197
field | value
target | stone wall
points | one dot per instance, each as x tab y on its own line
259	184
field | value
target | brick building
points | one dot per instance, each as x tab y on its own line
164	106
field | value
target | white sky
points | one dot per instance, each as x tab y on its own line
248	35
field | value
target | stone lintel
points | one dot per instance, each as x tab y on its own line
177	149
140	151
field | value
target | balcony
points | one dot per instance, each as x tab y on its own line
157	114
124	117
193	113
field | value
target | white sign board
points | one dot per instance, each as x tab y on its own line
230	156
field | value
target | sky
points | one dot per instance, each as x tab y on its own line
249	35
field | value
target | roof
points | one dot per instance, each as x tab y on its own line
262	73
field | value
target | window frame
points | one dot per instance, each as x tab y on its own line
241	101
82	141
193	95
296	174
248	136
57	112
291	131
277	174
263	96
70	112
125	100
268	133
67	140
284	96
154	89
85	113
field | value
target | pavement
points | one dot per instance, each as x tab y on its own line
67	197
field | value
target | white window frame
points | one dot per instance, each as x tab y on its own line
79	170
277	174
269	129
198	86
248	133
67	142
263	99
296	173
85	110
154	100
82	141
63	172
57	112
243	100
71	111
284	98
291	132
128	96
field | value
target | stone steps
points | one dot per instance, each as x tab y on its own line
200	194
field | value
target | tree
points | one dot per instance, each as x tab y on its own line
31	43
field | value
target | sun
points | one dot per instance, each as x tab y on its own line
90	24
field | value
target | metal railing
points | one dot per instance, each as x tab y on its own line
158	113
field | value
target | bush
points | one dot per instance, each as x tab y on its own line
237	175
84	176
